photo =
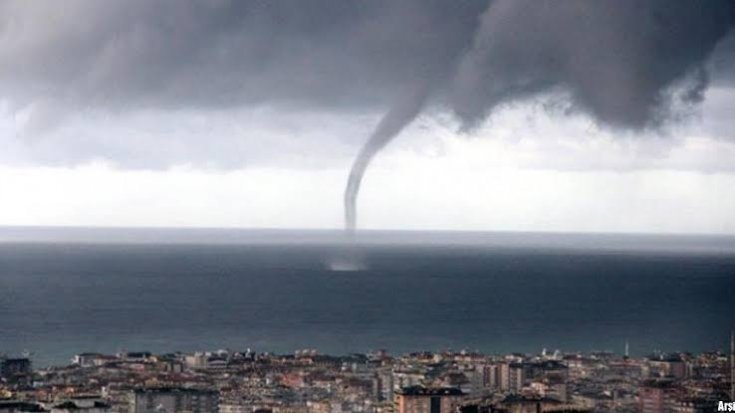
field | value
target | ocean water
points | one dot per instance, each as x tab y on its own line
65	291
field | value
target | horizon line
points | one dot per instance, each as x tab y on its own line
196	228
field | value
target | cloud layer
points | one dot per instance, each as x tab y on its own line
620	61
222	53
627	64
616	57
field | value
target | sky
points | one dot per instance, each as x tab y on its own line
609	116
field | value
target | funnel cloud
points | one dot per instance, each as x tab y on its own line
402	113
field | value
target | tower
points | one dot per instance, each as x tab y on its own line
627	349
732	365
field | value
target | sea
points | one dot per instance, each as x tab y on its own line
65	291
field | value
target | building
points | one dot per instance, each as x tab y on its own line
384	384
732	366
10	367
92	359
522	404
504	376
654	396
516	377
418	399
689	405
81	406
670	365
20	407
170	400
490	376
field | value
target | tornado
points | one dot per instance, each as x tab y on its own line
398	117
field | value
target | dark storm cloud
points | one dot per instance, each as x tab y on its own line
617	59
331	53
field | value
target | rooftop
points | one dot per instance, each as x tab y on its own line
430	391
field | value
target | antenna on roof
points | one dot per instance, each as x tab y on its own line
732	365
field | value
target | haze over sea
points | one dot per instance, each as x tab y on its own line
70	290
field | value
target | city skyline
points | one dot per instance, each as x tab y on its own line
232	381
